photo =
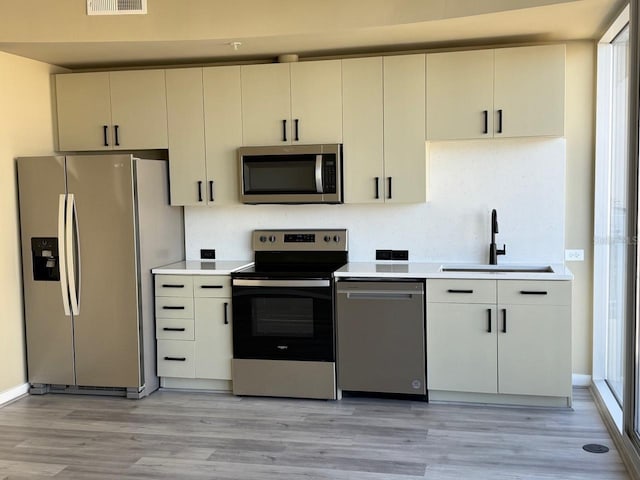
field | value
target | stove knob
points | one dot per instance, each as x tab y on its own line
263	238
336	238
272	238
327	238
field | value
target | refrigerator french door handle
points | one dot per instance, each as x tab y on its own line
64	286
73	248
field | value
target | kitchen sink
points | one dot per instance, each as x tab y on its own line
497	268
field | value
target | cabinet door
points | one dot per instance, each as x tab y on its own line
530	90
266	104
84	111
362	130
534	354
185	119
405	159
460	95
316	102
461	347
139	109
213	344
223	133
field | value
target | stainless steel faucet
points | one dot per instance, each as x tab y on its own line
494	251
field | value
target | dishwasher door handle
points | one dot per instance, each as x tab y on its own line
381	295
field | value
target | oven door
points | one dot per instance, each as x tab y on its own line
283	319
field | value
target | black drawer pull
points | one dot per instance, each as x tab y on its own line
172	285
172	329
176	359
504	320
211	286
172	307
459	291
488	320
533	292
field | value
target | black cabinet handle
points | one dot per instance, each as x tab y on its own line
533	292
459	291
226	313
485	113
199	190
172	307
176	359
390	182
172	329
284	130
499	121
170	285
105	129
377	188
115	129
211	286
295	123
488	320
504	320
211	198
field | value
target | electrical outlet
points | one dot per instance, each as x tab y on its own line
207	254
399	254
383	254
574	255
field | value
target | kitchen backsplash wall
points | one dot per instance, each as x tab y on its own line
524	179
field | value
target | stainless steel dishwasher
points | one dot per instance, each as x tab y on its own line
381	336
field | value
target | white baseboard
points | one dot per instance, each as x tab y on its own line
580	380
13	393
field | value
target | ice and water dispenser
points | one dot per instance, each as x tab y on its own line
44	252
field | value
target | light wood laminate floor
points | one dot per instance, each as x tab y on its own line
178	435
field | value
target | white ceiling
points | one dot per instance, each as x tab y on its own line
200	31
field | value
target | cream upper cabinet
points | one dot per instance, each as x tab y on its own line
460	95
530	91
124	110
383	128
405	156
363	132
292	103
507	92
223	132
205	129
185	119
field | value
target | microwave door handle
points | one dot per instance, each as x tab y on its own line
319	174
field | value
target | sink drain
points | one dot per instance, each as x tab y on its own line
595	448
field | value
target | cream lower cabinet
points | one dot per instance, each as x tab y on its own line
193	329
383	129
122	110
506	338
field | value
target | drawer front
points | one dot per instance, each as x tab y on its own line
174	329
174	286
534	292
174	307
461	291
212	286
176	358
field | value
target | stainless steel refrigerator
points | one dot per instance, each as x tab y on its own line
92	228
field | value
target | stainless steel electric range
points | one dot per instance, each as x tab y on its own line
283	314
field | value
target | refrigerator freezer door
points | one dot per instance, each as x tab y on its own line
49	332
107	345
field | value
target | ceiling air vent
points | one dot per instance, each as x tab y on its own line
116	7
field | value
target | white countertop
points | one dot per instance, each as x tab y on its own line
198	267
433	270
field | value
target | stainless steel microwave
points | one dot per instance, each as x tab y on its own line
291	174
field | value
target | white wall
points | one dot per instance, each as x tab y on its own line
26	128
524	179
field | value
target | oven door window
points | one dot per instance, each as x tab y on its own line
293	174
283	323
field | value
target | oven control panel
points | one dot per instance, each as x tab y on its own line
310	240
